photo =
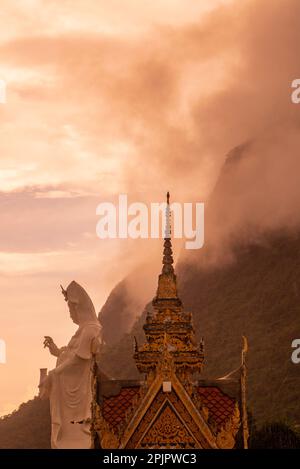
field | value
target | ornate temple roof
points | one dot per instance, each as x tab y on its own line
116	407
170	407
220	406
120	397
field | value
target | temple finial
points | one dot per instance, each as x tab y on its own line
167	288
168	215
168	254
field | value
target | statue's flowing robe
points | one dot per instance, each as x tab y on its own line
69	385
70	395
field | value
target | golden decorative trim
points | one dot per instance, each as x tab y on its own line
226	436
167	286
168	431
107	437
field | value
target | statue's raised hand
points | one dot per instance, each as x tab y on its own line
53	349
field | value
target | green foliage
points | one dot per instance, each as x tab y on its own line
27	427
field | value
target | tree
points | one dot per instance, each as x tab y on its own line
276	435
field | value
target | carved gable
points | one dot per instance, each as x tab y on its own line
168	431
166	424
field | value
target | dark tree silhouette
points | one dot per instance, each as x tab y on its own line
28	427
275	435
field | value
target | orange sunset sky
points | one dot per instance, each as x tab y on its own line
124	96
69	140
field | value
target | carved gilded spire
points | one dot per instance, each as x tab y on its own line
167	280
169	329
168	253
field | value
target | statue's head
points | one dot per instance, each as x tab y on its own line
79	303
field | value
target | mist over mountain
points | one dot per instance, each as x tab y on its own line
257	295
125	303
241	283
118	309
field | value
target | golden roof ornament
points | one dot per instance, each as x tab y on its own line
171	407
169	328
167	288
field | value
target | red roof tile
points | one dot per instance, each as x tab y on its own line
115	407
220	406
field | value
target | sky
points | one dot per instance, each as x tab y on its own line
68	142
131	97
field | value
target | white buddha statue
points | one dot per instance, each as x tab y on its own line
69	384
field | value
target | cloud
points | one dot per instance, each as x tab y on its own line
160	113
132	94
